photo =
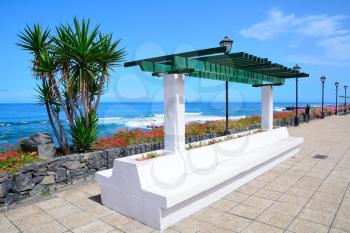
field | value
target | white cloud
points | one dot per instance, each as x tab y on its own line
331	36
312	59
275	24
321	26
337	48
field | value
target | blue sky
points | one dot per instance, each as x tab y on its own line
314	34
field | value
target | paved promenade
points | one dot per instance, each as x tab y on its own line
303	194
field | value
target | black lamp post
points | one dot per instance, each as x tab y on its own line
345	88
226	42
336	97
296	118
323	79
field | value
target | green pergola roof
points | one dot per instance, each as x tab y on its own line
215	64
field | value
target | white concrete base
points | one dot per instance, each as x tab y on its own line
266	108
174	112
162	191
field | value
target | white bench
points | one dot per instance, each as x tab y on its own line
160	192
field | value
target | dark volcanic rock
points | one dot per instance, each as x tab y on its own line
77	172
38	190
4	189
46	150
24	182
72	165
97	160
40	172
41	143
12	198
30	167
37	179
61	174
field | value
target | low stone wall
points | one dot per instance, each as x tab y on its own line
39	179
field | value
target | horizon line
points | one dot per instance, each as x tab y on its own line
206	101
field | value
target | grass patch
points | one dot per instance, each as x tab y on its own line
150	155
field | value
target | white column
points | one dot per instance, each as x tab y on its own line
174	112
266	108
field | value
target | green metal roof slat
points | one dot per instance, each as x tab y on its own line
240	65
197	53
262	85
155	67
184	71
219	70
206	75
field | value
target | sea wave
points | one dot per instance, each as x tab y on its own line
15	123
279	109
109	120
158	120
186	114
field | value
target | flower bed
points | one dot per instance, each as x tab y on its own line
12	158
125	137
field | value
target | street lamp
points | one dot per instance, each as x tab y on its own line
227	43
336	97
226	132
323	79
296	118
345	88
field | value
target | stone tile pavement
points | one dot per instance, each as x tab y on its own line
303	194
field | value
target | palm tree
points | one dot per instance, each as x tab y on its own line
63	66
74	66
48	99
47	67
35	40
83	51
110	57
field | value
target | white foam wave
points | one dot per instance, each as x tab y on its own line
186	114
109	120
279	109
158	120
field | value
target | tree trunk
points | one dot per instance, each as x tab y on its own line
59	139
62	129
84	98
99	90
60	99
73	108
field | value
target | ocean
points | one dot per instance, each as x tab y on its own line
21	120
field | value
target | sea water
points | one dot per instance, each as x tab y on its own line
21	120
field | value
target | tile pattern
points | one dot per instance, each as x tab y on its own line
302	194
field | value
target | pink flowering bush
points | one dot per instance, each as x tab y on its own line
12	158
124	137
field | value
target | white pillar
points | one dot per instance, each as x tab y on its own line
174	112
266	108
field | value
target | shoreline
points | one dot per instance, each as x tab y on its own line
12	131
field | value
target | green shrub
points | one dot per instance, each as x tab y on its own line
84	132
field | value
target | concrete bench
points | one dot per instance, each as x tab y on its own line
161	191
